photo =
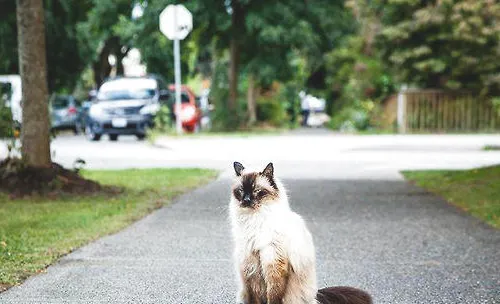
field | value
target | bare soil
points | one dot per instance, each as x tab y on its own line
19	180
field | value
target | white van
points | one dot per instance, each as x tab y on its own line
12	83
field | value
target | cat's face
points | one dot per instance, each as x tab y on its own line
254	189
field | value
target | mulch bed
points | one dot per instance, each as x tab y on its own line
19	180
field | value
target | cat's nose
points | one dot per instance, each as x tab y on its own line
247	200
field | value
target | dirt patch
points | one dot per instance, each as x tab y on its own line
19	180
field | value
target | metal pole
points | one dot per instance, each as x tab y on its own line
401	110
177	64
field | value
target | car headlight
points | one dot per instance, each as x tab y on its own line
150	109
96	111
187	113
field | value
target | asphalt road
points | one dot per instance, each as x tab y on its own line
311	153
372	230
392	239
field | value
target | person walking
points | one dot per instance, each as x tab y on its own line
305	107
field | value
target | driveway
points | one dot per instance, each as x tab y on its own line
334	155
388	237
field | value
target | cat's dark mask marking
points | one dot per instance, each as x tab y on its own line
248	193
245	192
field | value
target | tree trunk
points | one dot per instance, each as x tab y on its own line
251	100
237	26
120	70
102	68
233	73
35	136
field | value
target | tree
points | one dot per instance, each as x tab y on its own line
444	44
98	38
64	61
8	38
156	50
32	62
61	17
256	41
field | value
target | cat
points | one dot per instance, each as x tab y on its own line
273	249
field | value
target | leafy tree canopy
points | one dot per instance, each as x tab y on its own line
446	43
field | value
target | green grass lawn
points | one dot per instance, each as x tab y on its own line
36	232
492	148
476	191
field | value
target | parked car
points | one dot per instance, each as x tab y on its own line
125	105
190	112
66	113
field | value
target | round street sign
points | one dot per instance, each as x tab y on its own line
176	22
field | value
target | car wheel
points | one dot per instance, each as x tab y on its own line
91	135
140	136
113	137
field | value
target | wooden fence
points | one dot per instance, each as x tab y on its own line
444	111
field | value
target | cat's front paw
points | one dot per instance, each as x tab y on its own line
242	297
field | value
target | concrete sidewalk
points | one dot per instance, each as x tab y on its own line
398	242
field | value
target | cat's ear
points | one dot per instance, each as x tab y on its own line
238	168
269	170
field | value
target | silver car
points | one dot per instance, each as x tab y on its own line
65	113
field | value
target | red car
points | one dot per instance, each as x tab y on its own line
190	113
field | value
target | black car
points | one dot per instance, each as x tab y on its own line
125	105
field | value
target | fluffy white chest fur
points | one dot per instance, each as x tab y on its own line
269	242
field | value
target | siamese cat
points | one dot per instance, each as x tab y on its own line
274	251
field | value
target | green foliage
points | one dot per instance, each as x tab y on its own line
224	118
357	116
156	50
443	44
272	109
359	83
99	25
6	123
8	38
163	119
64	63
496	104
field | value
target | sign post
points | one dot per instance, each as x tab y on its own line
176	22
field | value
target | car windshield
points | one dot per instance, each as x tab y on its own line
60	102
121	89
171	97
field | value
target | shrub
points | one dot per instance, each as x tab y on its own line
356	117
163	119
223	118
6	123
272	109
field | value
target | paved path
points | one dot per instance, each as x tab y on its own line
371	229
367	156
388	237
